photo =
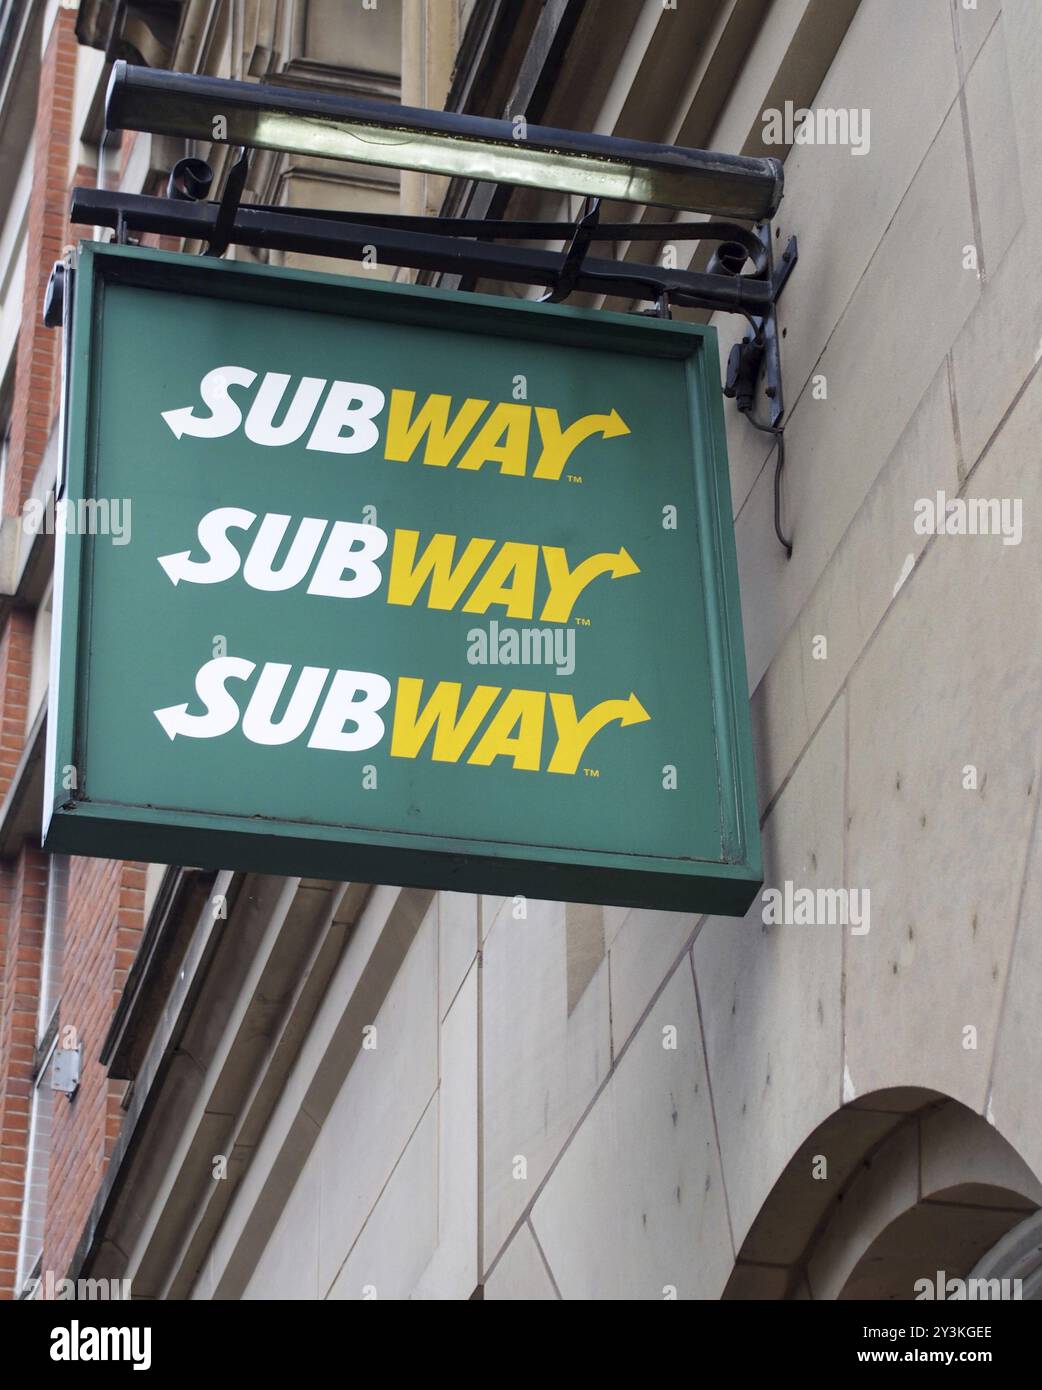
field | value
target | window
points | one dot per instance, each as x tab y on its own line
34	1198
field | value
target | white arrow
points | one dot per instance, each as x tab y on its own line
178	420
222	713
176	566
223	559
173	720
225	416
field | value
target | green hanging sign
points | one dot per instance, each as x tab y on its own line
379	582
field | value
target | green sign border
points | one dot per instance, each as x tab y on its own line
75	823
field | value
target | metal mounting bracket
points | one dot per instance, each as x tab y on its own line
450	245
468	248
224	228
65	1071
574	256
766	325
759	354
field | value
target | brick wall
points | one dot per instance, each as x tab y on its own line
15	657
37	367
102	930
20	948
105	899
23	896
23	883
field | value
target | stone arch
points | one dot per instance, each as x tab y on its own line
899	1185
1018	1255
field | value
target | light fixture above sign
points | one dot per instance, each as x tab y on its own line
339	126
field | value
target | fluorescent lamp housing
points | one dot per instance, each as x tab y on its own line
334	126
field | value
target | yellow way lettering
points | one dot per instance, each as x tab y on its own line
503	438
514	731
509	581
517	562
448	579
405	429
452	730
522	710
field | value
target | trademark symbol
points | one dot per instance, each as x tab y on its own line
582	622
574	477
591	772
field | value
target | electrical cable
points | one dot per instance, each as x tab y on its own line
779	465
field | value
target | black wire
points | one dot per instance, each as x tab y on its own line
779	465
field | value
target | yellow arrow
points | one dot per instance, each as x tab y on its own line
559	445
573	735
566	585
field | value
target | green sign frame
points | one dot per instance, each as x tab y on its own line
668	819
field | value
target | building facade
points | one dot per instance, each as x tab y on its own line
307	1089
